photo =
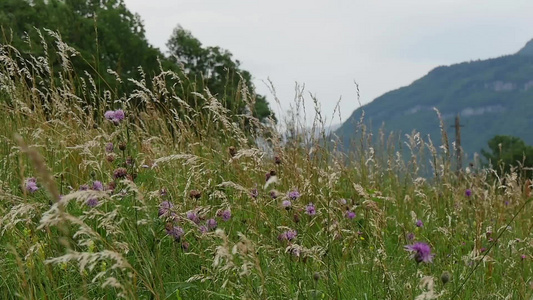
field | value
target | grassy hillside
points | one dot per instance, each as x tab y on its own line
492	97
155	204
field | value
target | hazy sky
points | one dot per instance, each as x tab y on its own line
327	45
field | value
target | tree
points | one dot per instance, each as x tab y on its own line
214	68
508	151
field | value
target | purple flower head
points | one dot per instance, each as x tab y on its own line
98	186
114	116
163	192
310	209
468	192
226	215
293	195
84	187
350	215
109	147
120	173
421	252
410	236
175	231
191	215
203	229
288	235
164	207
254	193
273	194
92	202
31	185
419	223
211	224
287	204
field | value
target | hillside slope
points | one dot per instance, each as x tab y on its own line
493	96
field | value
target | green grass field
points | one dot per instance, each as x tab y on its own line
177	204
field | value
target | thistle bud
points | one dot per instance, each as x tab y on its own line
445	277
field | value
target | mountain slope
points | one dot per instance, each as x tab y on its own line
493	96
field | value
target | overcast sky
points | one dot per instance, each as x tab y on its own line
327	45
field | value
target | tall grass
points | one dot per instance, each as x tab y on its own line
186	210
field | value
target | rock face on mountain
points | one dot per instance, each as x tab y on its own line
492	97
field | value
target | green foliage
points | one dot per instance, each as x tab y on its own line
109	43
213	68
509	151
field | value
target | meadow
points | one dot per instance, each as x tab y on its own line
107	195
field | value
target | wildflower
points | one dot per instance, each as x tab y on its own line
445	277
191	215
195	194
410	236
483	249
254	193
31	185
120	173
269	175
110	158
468	192
232	151
174	231
421	252
203	229
226	215
122	146
286	204
163	192
291	234
211	224
84	187
109	147
310	209
350	215
98	186
523	256
109	115
293	195
419	223
274	194
277	160
164	207
92	202
185	246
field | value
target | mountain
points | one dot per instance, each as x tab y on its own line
492	97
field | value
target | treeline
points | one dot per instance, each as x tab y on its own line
111	43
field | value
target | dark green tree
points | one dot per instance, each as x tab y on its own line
215	69
508	151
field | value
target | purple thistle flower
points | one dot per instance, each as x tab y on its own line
291	234
226	215
92	202
410	236
203	229
421	252
211	224
109	147
31	185
120	173
191	215
468	192
164	207
287	204
273	194
350	215
419	223
175	231
254	193
310	209
98	186
119	115
109	115
293	195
